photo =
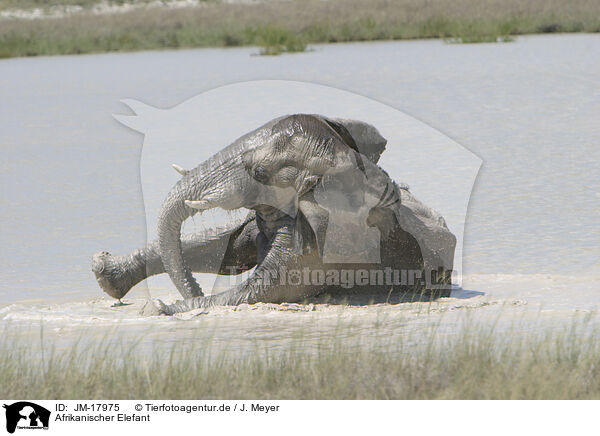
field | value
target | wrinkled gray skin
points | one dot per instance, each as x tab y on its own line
273	171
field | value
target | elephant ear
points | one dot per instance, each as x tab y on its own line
343	132
369	141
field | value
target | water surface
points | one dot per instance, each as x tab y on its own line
70	184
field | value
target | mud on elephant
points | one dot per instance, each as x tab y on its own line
324	218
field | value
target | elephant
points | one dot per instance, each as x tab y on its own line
323	218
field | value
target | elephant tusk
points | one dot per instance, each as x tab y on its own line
180	170
200	205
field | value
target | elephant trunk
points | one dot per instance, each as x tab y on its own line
172	215
215	183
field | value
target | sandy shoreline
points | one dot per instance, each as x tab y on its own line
509	305
469	346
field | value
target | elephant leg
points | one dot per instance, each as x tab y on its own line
116	275
265	284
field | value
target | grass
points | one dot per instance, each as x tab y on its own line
289	26
476	363
276	40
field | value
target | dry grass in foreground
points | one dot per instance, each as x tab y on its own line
474	364
291	25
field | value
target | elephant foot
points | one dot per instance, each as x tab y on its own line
155	308
182	306
110	275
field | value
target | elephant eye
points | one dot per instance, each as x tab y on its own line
260	174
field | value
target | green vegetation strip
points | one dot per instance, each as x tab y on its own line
476	363
289	26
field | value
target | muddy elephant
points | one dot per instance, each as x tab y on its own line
324	218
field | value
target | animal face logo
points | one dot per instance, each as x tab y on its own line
439	171
26	415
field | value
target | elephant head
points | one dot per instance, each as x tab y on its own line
271	167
